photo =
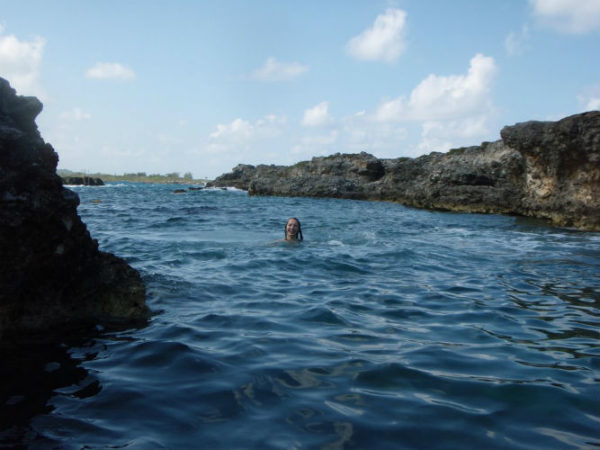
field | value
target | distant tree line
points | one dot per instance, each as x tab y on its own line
136	177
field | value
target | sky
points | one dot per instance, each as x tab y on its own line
162	86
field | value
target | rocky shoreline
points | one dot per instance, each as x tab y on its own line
52	274
548	170
82	181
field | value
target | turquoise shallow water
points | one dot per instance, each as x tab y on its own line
388	328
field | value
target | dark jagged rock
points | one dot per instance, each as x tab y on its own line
51	271
83	181
548	170
242	174
343	176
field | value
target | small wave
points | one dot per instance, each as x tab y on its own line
387	321
323	315
225	189
102	186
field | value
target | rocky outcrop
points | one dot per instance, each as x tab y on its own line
242	174
51	271
83	181
548	170
561	179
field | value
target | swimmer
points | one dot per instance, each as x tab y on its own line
293	230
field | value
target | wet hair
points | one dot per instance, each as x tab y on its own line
299	234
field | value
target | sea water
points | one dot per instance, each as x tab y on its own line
387	328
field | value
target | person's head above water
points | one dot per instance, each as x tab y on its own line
293	230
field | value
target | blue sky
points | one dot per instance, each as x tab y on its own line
200	86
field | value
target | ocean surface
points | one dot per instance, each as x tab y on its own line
387	328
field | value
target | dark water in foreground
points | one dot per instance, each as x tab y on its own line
388	328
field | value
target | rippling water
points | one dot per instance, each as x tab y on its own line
388	328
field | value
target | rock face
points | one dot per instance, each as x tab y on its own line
83	181
548	170
561	169
51	271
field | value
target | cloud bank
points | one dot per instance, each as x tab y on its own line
441	112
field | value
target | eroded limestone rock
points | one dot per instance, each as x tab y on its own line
51	271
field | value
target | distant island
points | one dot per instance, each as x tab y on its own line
134	177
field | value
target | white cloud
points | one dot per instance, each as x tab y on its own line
20	63
317	116
315	145
274	70
445	97
453	110
239	134
110	71
568	16
384	41
589	98
516	43
444	135
238	128
270	126
361	133
593	104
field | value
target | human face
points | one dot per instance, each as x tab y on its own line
291	229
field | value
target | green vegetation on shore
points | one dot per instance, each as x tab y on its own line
138	177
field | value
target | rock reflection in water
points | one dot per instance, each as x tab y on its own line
33	370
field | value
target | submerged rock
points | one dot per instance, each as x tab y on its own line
51	271
548	170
